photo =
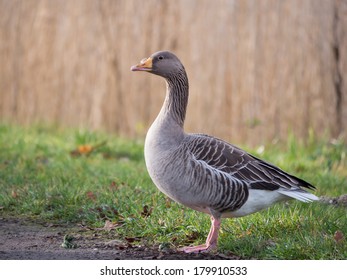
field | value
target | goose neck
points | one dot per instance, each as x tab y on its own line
176	101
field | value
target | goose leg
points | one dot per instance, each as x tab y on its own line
211	241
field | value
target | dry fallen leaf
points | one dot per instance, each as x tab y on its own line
146	212
91	195
168	202
14	194
111	225
338	236
114	186
86	149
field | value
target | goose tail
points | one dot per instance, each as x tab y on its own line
299	195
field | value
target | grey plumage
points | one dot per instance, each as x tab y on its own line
203	172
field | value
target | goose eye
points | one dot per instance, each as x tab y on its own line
161	57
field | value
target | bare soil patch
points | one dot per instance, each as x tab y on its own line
32	240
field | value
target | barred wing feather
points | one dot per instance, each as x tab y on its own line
234	161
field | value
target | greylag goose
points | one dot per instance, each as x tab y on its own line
203	172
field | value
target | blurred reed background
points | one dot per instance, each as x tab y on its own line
258	69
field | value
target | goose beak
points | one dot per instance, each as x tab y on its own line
144	65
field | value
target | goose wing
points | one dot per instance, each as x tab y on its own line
234	161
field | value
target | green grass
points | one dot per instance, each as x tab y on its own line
40	178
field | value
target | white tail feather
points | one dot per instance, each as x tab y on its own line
300	195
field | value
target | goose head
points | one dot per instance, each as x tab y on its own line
162	63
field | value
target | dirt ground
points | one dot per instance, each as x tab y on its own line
22	239
29	240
